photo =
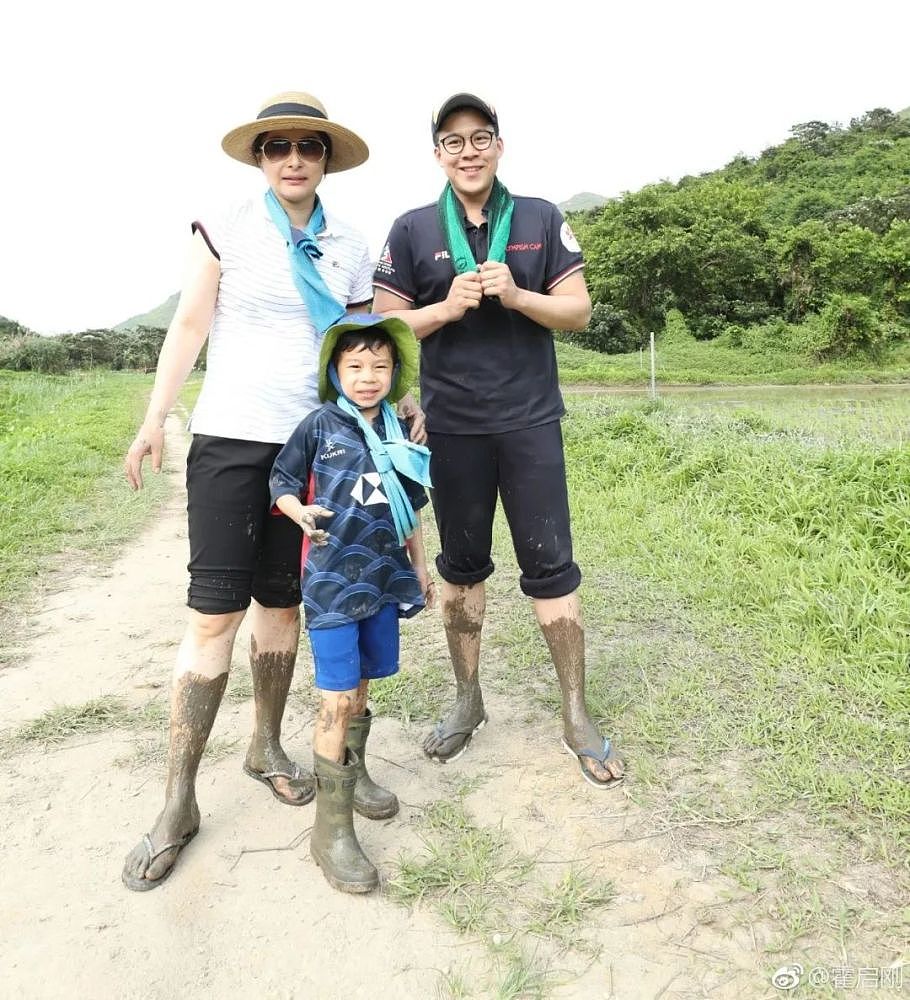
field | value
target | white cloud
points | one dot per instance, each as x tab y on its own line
113	115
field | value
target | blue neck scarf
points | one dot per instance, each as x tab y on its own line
323	307
395	454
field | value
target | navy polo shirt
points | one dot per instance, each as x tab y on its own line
494	370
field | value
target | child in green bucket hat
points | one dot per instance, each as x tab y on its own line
352	480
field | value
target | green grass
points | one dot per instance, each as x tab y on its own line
469	870
747	595
413	696
563	907
784	537
94	716
150	724
150	751
60	723
63	494
480	885
747	601
62	442
692	362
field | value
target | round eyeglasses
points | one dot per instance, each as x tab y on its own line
311	150
481	139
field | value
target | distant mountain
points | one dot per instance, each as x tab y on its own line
160	316
582	202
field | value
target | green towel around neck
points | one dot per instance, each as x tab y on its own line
499	221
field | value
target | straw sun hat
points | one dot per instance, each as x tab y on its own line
295	109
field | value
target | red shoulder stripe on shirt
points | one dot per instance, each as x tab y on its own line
393	290
565	274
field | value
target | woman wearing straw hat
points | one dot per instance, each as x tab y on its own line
264	283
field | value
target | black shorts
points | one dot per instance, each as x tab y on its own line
238	548
526	468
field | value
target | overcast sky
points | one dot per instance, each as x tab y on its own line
113	113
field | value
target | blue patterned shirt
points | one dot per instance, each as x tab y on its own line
326	461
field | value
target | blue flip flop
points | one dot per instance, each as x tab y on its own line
601	756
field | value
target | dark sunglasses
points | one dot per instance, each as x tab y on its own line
311	150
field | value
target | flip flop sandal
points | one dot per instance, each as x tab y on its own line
601	756
307	784
461	747
143	884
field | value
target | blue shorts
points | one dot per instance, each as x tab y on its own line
362	650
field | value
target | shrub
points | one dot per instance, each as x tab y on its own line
609	332
676	329
34	354
847	325
774	336
10	328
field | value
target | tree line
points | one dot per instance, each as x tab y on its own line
134	349
805	247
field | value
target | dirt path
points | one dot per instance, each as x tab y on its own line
247	913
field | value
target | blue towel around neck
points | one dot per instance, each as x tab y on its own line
323	307
394	455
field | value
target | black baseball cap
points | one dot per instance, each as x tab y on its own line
457	101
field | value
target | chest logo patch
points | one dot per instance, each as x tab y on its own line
366	490
331	451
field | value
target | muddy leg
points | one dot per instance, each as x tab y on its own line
200	677
561	623
360	698
275	634
463	611
335	711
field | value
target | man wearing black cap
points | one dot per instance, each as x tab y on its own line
483	278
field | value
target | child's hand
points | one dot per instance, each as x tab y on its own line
308	515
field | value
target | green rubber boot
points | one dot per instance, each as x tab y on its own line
370	800
333	842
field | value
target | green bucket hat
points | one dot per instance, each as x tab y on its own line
402	336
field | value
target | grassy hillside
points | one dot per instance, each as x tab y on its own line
581	202
159	317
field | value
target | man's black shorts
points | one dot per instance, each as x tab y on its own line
238	548
526	468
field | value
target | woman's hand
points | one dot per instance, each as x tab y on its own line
415	418
149	441
307	521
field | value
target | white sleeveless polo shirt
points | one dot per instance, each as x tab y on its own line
261	367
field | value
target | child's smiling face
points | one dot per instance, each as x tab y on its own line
365	374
